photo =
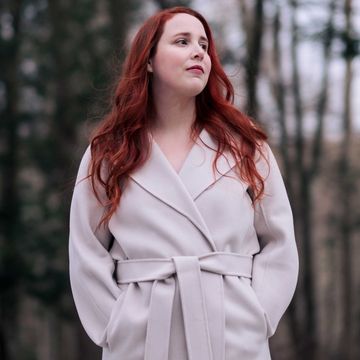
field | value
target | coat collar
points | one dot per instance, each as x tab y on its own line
197	171
180	190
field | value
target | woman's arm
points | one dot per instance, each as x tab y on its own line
276	266
91	266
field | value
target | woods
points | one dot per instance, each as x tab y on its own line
297	72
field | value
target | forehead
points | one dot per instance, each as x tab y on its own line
181	23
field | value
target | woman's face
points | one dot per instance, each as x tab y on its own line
181	64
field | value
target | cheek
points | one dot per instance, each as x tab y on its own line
168	64
208	62
175	60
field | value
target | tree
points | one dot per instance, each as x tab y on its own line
347	187
66	47
11	266
253	28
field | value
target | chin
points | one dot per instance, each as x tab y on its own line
194	91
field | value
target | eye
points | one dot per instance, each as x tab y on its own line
204	46
182	41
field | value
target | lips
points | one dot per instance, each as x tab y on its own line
196	67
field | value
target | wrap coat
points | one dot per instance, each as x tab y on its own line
187	267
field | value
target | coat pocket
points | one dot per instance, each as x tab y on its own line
128	324
261	310
115	310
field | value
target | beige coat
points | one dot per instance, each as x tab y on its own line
187	268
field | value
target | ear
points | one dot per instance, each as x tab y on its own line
149	66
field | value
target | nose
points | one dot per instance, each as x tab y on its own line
198	52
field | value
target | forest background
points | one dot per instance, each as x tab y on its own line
295	66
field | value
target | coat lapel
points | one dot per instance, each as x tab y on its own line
179	191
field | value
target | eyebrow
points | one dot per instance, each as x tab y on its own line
187	34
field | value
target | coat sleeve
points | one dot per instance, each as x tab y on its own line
91	266
276	266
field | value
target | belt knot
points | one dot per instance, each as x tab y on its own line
187	272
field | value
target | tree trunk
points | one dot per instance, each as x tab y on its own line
164	4
323	96
119	11
10	259
347	186
303	218
279	94
253	57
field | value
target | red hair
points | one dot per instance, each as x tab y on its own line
121	142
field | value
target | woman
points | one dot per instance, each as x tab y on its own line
181	233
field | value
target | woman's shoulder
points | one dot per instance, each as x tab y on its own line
265	159
85	158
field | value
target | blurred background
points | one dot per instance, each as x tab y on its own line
295	66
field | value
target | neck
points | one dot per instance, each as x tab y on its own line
173	114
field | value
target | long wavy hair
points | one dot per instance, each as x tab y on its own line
121	142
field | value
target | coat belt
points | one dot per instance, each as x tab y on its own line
186	270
